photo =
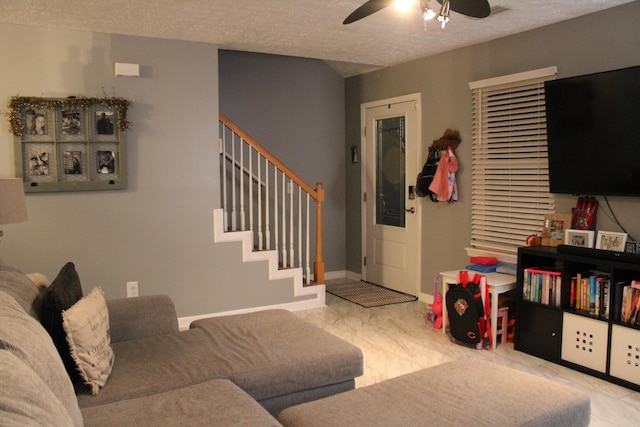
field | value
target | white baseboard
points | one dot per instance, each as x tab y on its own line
184	322
342	274
339	274
353	276
425	298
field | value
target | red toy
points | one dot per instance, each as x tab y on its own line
436	307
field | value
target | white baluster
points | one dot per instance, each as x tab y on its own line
260	243
267	207
250	150
291	242
241	173
299	227
233	183
225	202
275	210
284	222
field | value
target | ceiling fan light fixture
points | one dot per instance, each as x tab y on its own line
445	13
428	13
472	8
404	6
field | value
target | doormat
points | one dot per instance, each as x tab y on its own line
366	294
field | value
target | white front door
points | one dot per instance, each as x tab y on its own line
391	226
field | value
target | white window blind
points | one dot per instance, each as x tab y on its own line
510	176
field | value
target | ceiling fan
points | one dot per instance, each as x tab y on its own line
473	8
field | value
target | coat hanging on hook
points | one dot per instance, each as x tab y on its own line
450	140
444	183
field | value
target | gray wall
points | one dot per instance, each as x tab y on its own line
599	42
294	107
158	231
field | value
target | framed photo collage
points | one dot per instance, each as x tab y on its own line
70	145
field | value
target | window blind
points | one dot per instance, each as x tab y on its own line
510	176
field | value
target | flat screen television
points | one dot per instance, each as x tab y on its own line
593	131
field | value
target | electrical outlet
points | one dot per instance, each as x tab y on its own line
132	289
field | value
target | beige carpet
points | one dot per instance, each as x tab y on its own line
366	294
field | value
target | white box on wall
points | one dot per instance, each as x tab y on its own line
128	70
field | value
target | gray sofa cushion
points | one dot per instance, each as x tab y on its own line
22	336
275	352
25	400
212	403
140	317
21	288
267	354
463	392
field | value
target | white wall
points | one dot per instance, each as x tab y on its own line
158	231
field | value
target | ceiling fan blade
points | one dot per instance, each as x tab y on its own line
473	8
368	8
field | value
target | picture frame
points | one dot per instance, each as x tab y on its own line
581	238
72	162
611	241
553	229
69	144
102	122
38	163
38	124
105	161
70	124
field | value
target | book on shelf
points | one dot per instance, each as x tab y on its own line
630	305
590	293
627	303
543	285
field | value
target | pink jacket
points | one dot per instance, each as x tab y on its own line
444	181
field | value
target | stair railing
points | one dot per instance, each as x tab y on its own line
262	195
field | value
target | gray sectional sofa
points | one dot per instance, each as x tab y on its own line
230	370
245	370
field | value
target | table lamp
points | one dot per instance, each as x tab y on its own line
13	205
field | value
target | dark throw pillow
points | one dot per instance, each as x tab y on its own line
63	293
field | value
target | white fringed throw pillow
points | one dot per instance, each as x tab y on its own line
86	324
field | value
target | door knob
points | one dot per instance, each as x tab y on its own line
412	210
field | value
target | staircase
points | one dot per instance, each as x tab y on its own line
270	210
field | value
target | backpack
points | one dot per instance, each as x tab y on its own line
426	176
469	319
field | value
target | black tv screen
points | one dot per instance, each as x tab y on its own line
593	131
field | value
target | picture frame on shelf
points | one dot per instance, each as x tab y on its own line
611	241
553	229
581	238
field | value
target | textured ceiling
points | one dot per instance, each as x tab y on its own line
304	28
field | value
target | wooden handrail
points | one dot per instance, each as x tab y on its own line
270	157
317	194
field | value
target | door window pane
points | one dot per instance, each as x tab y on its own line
390	171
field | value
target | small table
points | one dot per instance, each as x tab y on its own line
497	283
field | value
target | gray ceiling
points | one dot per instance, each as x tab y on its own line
304	28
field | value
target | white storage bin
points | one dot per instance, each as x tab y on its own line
625	354
584	341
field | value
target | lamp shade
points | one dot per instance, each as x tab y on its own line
13	205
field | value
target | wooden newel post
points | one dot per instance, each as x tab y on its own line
318	265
